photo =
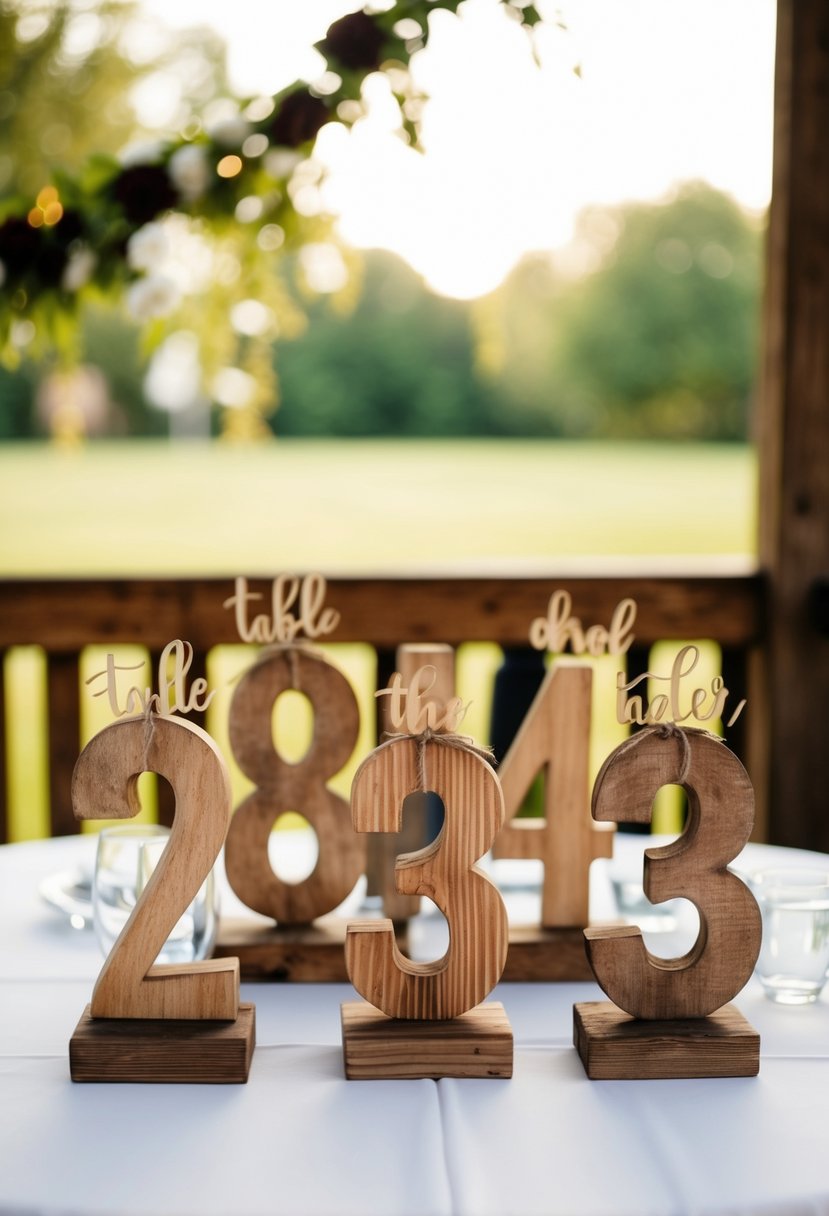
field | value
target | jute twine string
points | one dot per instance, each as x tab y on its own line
150	716
670	730
291	651
461	743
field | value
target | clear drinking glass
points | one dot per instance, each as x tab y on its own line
126	857
794	955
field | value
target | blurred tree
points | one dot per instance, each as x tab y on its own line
400	363
67	75
651	330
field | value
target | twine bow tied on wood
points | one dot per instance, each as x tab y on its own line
289	650
670	730
461	743
150	714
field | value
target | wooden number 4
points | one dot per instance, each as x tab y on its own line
555	737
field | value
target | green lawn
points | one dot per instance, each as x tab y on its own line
355	507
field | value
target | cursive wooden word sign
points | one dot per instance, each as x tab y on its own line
313	619
668	706
420	714
181	701
558	629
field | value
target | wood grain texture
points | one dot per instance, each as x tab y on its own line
445	872
555	738
794	432
291	953
66	614
104	785
169	1052
301	787
616	1047
477	1044
539	955
64	727
720	817
382	849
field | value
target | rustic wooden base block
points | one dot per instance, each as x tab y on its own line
551	955
292	953
163	1052
616	1047
376	1047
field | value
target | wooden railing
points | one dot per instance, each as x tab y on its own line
64	616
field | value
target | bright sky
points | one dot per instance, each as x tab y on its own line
669	90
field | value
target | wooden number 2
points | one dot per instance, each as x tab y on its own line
555	736
444	871
293	787
694	867
104	786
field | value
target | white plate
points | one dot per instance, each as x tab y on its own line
70	892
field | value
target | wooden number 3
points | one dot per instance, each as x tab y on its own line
300	787
694	867
104	786
444	871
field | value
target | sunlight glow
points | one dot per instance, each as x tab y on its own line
514	145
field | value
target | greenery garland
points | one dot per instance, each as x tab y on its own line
97	234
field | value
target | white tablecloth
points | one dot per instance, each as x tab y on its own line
300	1140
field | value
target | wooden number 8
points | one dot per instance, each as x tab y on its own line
103	787
293	787
444	871
694	867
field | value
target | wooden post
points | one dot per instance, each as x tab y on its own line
4	789
793	679
64	716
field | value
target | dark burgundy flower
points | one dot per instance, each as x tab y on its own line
19	244
297	119
69	227
353	42
51	259
143	191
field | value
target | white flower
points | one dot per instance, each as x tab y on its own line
153	296
189	171
78	270
230	132
281	162
147	247
142	152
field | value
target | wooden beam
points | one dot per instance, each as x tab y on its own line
63	615
794	433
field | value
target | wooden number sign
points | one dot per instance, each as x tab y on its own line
554	737
179	1022
382	848
670	1017
295	949
425	1019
